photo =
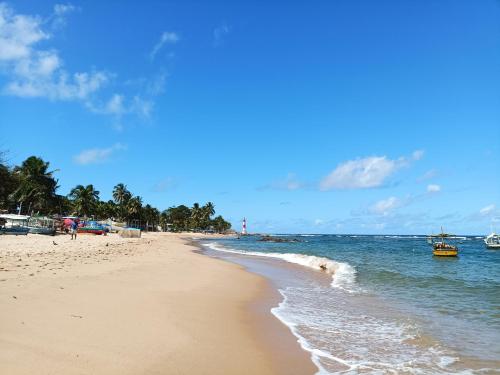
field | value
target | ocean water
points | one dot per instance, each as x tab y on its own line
382	304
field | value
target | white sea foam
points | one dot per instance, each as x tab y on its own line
343	332
293	235
315	353
343	274
333	337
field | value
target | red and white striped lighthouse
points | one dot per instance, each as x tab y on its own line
244	226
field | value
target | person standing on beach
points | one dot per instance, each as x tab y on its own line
74	229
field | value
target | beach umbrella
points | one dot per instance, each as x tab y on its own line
68	222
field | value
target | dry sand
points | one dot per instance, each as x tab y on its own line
106	305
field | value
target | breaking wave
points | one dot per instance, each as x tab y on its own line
343	274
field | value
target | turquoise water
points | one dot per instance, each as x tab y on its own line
383	304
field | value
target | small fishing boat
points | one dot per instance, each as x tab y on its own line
41	225
88	230
42	230
16	231
492	241
440	247
14	224
91	227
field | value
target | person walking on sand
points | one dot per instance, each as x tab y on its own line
74	229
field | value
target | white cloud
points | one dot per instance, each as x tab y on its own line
431	173
219	33
318	222
115	105
365	173
289	183
43	64
385	206
485	211
156	86
432	188
97	155
165	38
34	72
79	86
141	107
62	9
18	33
418	154
118	105
60	13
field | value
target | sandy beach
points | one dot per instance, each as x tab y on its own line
107	305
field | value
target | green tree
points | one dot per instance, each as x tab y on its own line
107	210
121	196
151	216
220	225
64	206
36	187
206	213
196	217
8	184
179	217
85	200
165	219
134	208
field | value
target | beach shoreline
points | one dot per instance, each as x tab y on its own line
356	319
106	305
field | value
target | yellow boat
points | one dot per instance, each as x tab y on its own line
445	250
440	247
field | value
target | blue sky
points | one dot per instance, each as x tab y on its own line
325	117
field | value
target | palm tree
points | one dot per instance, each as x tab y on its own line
8	184
37	186
107	210
210	208
196	216
154	217
134	208
206	212
121	195
221	225
180	217
63	204
150	215
85	199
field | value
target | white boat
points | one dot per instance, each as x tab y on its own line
14	224
492	241
41	225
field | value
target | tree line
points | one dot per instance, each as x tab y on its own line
31	188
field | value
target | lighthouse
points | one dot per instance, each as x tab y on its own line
244	227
